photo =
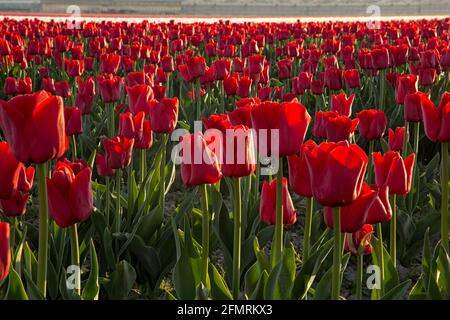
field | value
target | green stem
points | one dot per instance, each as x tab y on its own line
74	147
405	140
308	222
237	238
277	245
205	235
444	195
111	122
129	192
43	229
198	98
382	89
381	258
393	231
117	218
360	261
143	164
75	254
369	166
162	173
108	199
337	255
414	190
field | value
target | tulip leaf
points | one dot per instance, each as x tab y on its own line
219	288
121	281
15	290
252	277
443	265
92	288
281	278
418	291
258	292
398	292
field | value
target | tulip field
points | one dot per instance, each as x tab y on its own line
261	160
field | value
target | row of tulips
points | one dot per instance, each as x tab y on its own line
295	118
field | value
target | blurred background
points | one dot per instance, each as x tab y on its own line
304	8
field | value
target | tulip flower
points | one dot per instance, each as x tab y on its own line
221	69
72	118
24	86
85	95
241	115
137	128
396	138
405	84
15	206
118	151
267	208
196	67
139	97
70	193
243	88
352	78
372	124
9	171
412	106
340	128
10	87
333	78
110	87
284	69
341	104
74	68
5	251
320	123
256	63
380	58
164	115
109	63
230	85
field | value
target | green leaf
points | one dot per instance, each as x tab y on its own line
398	292
258	292
281	278
15	290
33	291
219	288
92	288
121	281
443	266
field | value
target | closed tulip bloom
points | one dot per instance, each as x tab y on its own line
62	89
101	163
196	67
412	106
290	119
110	87
372	124
10	87
333	78
341	104
230	85
221	68
9	171
140	77
109	63
16	205
167	64
256	63
299	178
139	97
353	216
74	68
70	197
337	172
267	205
380	58
244	85
352	78
284	69
321	119
265	93
405	84
359	242
437	120
241	115
164	115
396	138
238	158
34	126
317	87
137	128
24	86
427	76
118	151
48	84
301	83
381	210
199	164
5	250
394	171
72	118
340	128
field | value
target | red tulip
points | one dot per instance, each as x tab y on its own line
137	128
380	211
167	64
359	239
321	119
290	119
9	171
74	68
199	164
48	84
241	115
317	87
437	120
109	63
341	104
10	87
427	76
244	85
62	89
336	171
412	106
351	78
24	86
393	171
5	251
221	69
396	138
256	63
118	151
72	118
299	178
16	205
265	93
103	169
70	197
140	77
139	97
34	126
340	128
230	85
284	69
333	78
110	87
267	207
164	115
85	95
353	216
380	58
372	124
405	84
196	67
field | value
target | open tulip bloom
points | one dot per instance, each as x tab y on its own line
173	159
